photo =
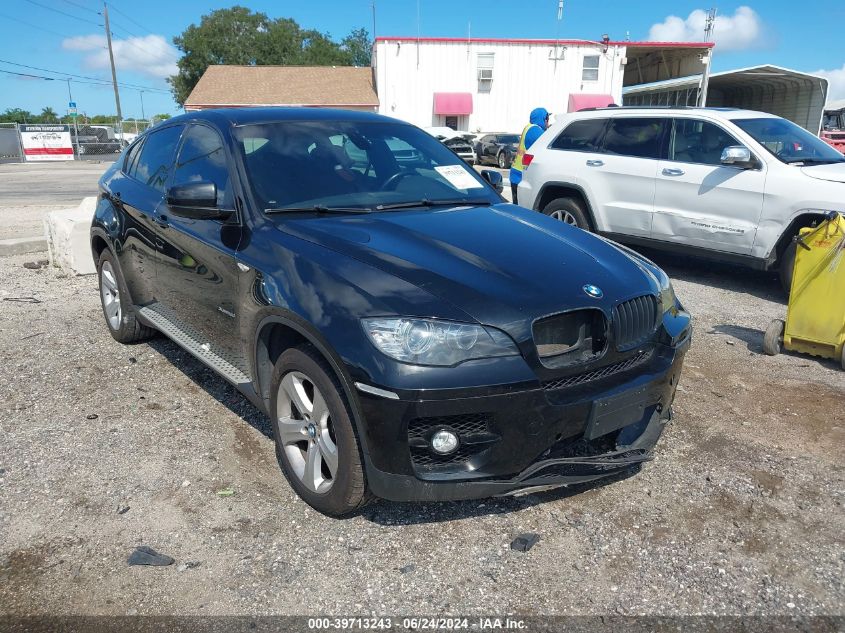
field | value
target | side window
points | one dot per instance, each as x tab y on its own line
696	141
590	69
202	158
581	136
131	160
637	137
156	158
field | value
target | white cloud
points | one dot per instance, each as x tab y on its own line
149	55
742	30
836	82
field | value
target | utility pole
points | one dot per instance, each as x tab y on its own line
113	72
75	117
374	19
705	76
143	118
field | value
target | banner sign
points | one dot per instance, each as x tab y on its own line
46	142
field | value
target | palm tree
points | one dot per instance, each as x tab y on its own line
48	115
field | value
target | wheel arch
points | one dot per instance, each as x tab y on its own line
799	222
554	190
278	331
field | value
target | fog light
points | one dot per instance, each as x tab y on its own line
444	442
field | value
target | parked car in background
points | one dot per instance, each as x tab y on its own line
92	139
733	185
833	125
458	142
496	149
410	335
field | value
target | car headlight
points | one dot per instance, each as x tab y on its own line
435	342
668	301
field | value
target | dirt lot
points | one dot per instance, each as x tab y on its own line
106	447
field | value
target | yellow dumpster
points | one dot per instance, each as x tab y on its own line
815	316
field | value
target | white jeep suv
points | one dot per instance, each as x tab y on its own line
729	184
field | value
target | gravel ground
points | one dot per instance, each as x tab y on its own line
106	447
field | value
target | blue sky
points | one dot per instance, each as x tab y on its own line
66	36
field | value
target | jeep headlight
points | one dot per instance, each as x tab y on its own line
435	342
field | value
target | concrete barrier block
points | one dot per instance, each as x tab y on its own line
68	237
21	245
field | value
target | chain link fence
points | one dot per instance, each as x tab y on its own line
10	143
91	141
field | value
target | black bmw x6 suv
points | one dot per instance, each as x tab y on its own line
411	335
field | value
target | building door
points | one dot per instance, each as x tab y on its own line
452	122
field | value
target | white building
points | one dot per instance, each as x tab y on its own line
491	85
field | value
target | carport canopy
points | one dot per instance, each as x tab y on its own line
793	95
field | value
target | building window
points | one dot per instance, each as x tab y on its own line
485	72
590	71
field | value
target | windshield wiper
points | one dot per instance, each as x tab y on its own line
425	202
815	161
319	208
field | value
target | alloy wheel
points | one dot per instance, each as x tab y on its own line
111	295
503	161
564	216
306	432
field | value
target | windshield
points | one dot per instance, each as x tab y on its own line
788	142
366	164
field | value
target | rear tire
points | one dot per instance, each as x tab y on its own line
116	303
316	444
568	210
503	161
773	338
787	267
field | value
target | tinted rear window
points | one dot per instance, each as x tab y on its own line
583	136
638	137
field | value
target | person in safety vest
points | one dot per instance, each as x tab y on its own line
538	122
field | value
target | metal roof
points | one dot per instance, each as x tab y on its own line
791	94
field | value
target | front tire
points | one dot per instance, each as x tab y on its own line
117	306
503	161
787	267
569	211
316	444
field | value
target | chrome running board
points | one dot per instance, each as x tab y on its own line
164	320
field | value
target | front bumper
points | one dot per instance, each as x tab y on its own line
521	439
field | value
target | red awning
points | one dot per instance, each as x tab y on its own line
452	103
582	101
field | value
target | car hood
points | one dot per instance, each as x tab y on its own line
834	172
503	265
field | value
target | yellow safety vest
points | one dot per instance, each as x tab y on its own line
520	152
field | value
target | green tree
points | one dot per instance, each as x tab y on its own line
17	115
239	36
160	117
358	46
48	115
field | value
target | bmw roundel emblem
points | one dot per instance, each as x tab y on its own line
594	291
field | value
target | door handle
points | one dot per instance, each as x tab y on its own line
671	171
595	163
161	220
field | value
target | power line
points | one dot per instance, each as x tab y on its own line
79	6
34	26
75	76
135	22
64	13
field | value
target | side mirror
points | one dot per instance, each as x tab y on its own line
494	178
738	156
196	200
